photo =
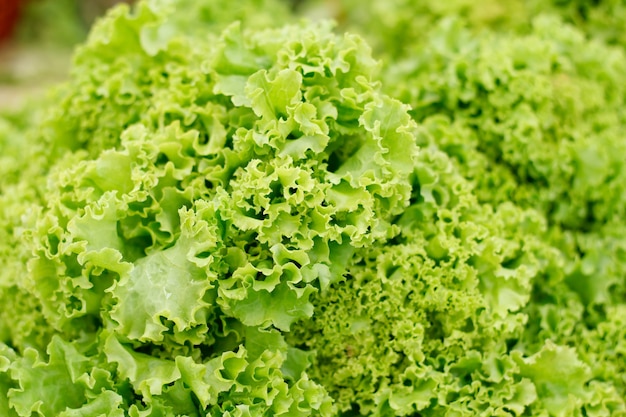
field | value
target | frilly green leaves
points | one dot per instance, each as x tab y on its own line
221	213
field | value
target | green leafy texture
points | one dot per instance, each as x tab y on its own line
7	355
240	383
48	388
133	60
206	210
395	27
147	374
21	320
106	404
251	201
602	20
231	219
196	18
537	117
559	378
538	120
423	324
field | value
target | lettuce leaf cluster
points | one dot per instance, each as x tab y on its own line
227	212
189	212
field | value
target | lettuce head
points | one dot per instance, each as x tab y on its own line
223	213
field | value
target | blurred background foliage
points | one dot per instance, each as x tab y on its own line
36	49
37	38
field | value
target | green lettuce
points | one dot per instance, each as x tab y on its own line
225	212
192	209
537	120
